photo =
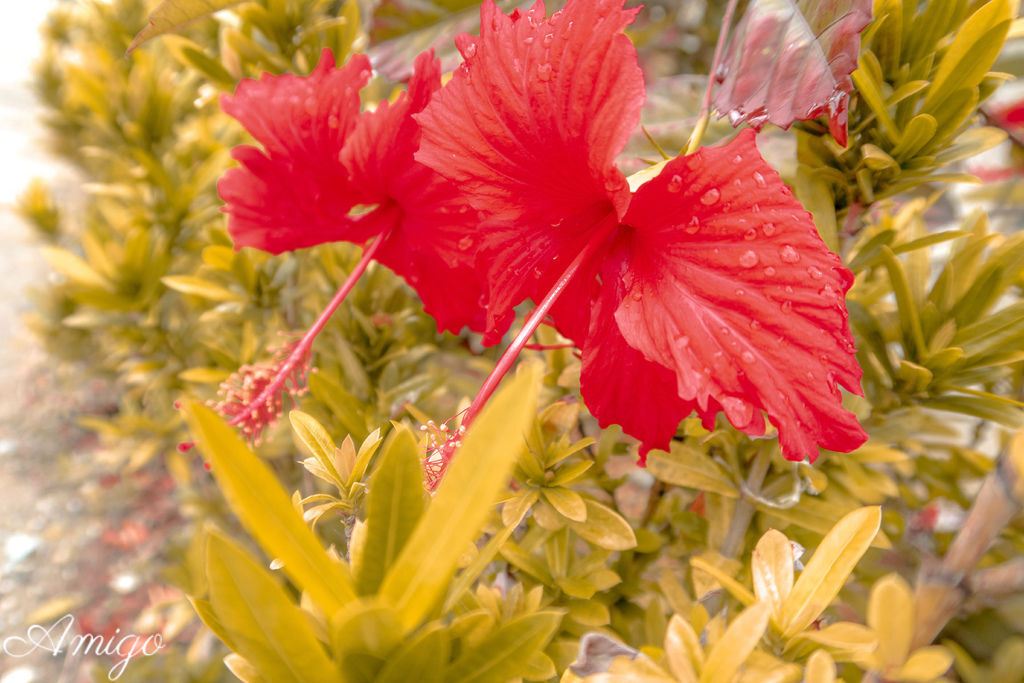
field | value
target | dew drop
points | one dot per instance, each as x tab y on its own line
810	375
789	254
683	341
547	39
769	229
756	208
755	324
738	159
740	293
675	184
789	289
568	29
769	271
637	295
528	40
517	65
748	259
750	234
747	357
310	105
332	121
814	273
465	243
544	72
710	197
759	179
694	225
739	412
787	306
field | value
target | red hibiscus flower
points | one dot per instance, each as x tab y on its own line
707	289
328	173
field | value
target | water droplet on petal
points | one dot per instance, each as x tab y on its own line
332	121
789	254
756	208
738	159
814	273
637	295
747	357
683	341
547	39
740	293
787	306
465	243
544	72
748	259
528	40
750	234
739	412
675	184
694	225
769	229
710	197
789	289
810	375
759	179
755	324
565	36
769	271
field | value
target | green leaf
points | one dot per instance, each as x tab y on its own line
828	569
506	652
170	15
266	627
568	503
74	268
972	53
688	467
395	504
315	441
481	469
197	286
266	511
605	528
732	649
426	655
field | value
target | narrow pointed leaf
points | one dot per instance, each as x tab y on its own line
504	653
266	511
170	15
269	630
417	580
828	569
735	645
395	504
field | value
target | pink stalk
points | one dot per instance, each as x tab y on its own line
301	350
517	345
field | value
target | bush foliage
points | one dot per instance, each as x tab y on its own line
589	567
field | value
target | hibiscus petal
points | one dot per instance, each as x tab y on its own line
529	127
293	193
429	225
730	286
617	383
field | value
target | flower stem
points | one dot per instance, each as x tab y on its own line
534	321
302	348
705	108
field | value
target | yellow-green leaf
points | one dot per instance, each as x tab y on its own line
820	668
828	569
891	614
266	511
735	645
685	466
394	505
772	567
605	528
925	664
682	650
315	441
505	653
972	53
735	588
74	268
480	470
426	655
568	503
170	15
268	629
197	286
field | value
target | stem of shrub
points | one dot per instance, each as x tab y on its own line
942	585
